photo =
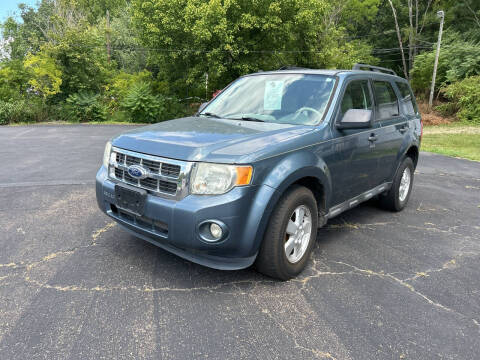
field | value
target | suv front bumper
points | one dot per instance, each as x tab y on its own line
174	225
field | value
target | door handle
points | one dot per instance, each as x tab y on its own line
403	129
373	137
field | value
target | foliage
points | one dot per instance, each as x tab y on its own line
31	32
127	49
83	60
163	50
465	97
120	85
46	76
84	106
141	105
13	80
462	16
96	9
458	59
22	110
225	39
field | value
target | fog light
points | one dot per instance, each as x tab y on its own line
216	231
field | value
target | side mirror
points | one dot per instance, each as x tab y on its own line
202	106
355	119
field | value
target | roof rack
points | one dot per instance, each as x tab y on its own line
373	68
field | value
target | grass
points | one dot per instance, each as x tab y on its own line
458	140
59	122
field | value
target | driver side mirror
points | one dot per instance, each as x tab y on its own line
355	119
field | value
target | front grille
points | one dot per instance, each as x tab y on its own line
164	176
170	170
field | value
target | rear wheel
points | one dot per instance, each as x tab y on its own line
290	236
397	197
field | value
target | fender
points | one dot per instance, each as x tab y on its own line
293	167
409	142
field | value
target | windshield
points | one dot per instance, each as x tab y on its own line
277	98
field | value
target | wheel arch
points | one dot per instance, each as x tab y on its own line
413	153
313	177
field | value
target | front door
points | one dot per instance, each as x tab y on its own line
354	161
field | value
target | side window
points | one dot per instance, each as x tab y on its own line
356	96
407	101
385	99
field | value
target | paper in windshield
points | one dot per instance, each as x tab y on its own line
272	99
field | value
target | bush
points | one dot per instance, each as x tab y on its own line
85	106
122	82
458	60
22	110
142	106
465	97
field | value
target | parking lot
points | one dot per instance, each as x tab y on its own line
380	285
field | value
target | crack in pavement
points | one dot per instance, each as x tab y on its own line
48	257
451	264
359	226
319	354
356	226
403	283
148	289
419	208
234	284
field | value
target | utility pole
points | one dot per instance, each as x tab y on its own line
206	86
108	36
441	15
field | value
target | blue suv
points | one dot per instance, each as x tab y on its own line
250	178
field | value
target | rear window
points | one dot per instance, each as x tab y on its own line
386	101
407	101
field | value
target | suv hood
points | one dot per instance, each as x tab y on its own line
209	139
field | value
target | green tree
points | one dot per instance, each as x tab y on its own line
127	49
46	76
13	80
462	16
458	60
95	10
82	58
31	32
224	39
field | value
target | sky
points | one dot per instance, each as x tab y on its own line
9	7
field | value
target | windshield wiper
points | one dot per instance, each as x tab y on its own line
209	114
249	118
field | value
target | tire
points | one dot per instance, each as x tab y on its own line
397	197
272	259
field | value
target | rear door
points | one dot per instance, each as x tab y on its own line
392	128
353	163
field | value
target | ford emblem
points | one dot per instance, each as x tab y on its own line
137	172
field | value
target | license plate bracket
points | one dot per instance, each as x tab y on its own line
130	198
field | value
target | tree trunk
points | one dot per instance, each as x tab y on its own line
399	39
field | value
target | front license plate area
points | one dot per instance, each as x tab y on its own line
130	198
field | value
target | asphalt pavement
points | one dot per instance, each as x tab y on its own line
380	285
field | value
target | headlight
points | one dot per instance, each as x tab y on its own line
106	154
213	179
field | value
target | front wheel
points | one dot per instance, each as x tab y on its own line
290	236
397	197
